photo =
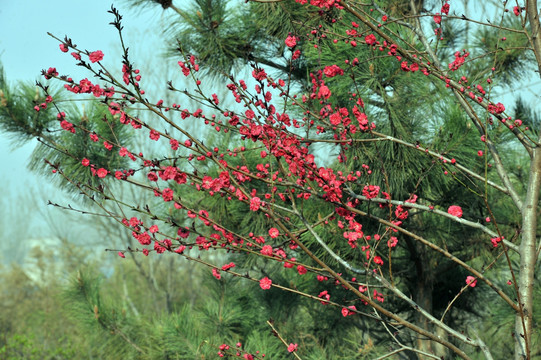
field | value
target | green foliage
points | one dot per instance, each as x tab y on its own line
509	56
33	322
19	120
23	347
93	317
17	115
79	145
524	112
499	323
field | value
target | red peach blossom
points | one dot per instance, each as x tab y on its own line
265	283
455	210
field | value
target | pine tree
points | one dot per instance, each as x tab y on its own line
420	126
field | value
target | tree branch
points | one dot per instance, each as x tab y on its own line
475	225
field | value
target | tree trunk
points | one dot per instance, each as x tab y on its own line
528	260
423	296
528	253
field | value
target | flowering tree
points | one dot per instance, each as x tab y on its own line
422	177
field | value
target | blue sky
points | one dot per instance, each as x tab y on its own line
26	49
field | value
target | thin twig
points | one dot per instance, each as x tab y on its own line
281	338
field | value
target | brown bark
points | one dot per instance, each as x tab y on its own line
423	296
